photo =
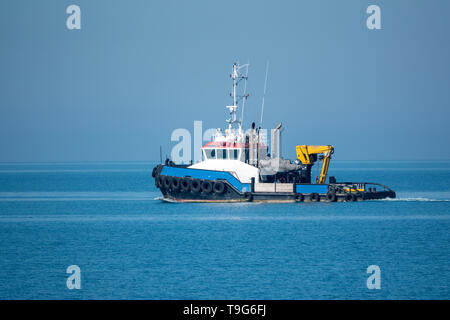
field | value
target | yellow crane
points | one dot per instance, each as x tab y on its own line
308	155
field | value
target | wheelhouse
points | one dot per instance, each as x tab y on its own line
232	151
224	151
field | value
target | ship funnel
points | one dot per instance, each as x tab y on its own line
274	141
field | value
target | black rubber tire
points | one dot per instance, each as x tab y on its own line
350	197
314	197
185	185
195	186
154	172
206	186
331	197
158	181
219	187
166	182
175	184
248	196
299	197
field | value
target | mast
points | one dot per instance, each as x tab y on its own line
236	78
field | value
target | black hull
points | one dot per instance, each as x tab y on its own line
271	197
175	193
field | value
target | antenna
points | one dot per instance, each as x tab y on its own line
265	86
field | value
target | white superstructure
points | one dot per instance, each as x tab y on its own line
234	150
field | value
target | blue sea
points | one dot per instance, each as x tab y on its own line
107	219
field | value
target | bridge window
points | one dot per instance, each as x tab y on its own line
222	154
210	153
233	154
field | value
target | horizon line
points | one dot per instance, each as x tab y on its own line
152	161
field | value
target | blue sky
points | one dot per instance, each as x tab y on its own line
116	89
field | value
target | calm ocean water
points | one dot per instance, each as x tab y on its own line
106	218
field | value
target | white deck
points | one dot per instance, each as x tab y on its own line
242	171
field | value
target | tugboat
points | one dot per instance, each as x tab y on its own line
237	167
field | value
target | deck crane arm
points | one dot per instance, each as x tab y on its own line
308	155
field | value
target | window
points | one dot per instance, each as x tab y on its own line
222	154
210	153
233	154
